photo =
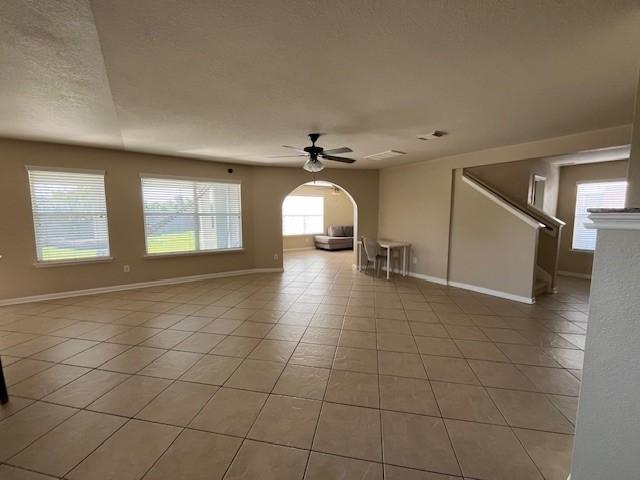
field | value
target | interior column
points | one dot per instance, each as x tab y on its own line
607	441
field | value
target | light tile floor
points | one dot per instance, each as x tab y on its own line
318	373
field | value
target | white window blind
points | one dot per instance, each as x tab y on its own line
609	194
69	215
191	216
302	215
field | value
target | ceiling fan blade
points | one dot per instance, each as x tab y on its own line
294	148
337	159
285	156
334	151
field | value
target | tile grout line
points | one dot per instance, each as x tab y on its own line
323	400
263	406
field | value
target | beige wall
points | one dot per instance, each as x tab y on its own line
263	190
490	247
338	210
362	185
415	199
414	207
513	179
571	261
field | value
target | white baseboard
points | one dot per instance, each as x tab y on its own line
134	286
297	249
495	293
464	286
586	276
429	278
421	276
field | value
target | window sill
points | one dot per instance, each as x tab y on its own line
70	263
150	256
577	250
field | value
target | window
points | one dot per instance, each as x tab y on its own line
69	215
536	191
302	215
609	194
182	216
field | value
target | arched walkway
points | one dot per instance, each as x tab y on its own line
354	220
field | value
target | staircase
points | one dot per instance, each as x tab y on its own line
547	249
540	287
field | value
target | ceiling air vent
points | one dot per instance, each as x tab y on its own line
385	155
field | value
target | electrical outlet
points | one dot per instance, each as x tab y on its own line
415	260
275	256
126	268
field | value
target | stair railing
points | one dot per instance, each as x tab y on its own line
548	248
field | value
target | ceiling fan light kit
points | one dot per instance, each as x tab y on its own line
313	165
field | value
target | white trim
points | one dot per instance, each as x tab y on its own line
160	176
297	249
71	262
601	180
421	276
553	219
464	286
564	273
302	235
498	201
532	188
134	286
495	293
614	221
581	250
428	278
194	253
43	168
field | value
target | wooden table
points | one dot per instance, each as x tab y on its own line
389	245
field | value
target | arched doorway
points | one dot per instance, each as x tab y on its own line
310	209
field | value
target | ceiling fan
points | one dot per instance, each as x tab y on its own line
314	153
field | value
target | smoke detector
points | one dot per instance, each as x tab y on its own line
433	135
384	155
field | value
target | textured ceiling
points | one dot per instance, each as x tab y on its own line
234	80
